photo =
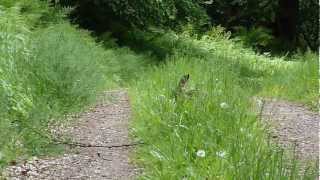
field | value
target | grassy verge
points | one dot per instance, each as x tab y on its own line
47	72
44	74
216	119
293	78
210	131
297	83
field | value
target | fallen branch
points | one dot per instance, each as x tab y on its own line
94	145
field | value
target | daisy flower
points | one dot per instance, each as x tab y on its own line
201	153
224	105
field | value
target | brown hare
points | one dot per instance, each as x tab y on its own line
181	89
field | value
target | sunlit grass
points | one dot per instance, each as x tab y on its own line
298	82
44	74
215	133
215	120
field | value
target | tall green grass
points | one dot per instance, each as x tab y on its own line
215	133
47	72
299	83
217	119
44	74
14	99
293	78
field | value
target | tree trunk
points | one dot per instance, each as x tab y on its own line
287	21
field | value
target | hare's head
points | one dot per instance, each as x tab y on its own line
184	80
187	76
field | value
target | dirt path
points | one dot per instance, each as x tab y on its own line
293	124
104	125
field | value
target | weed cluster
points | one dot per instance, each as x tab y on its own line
215	120
44	74
214	133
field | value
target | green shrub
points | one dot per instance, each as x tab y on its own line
257	37
15	100
102	15
43	75
36	12
67	65
47	73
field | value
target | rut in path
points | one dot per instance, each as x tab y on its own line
104	125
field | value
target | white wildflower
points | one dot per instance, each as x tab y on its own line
19	143
221	154
201	153
224	105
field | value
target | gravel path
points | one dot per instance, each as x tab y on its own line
104	125
293	124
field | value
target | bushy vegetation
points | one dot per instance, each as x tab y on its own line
211	130
291	23
44	74
115	15
47	73
36	12
277	26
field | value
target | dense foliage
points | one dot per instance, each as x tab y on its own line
279	19
43	75
272	25
35	12
309	23
101	15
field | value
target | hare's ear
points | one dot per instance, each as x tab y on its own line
187	76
